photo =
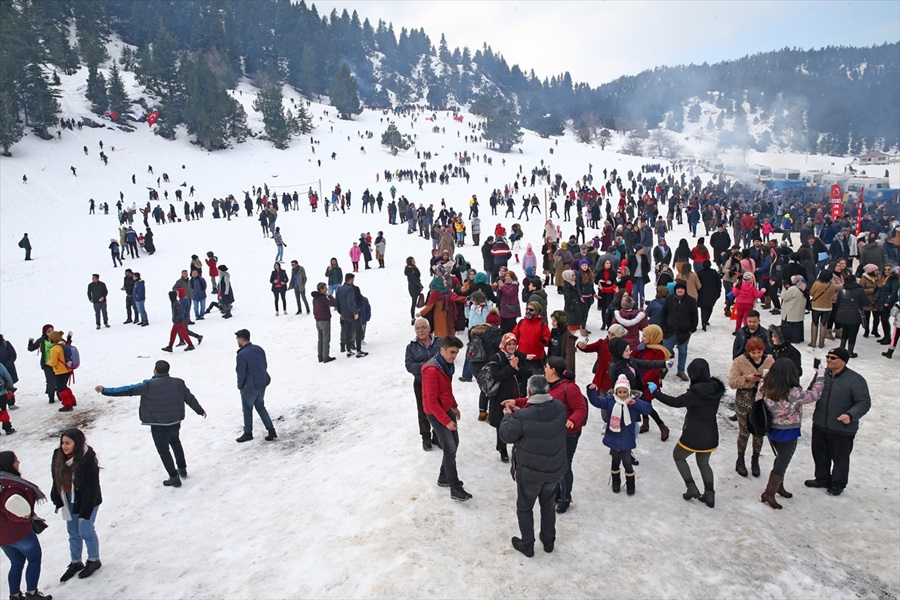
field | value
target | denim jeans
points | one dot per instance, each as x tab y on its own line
82	534
139	310
100	311
251	399
280	254
185	308
199	308
670	343
467	370
638	291
26	549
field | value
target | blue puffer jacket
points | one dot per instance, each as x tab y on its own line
624	439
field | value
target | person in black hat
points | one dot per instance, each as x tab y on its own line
845	400
679	321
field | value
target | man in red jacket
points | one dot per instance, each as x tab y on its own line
442	412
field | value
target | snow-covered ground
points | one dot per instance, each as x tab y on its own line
345	503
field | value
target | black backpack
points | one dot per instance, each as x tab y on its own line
487	379
759	421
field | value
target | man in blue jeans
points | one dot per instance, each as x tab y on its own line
679	321
252	381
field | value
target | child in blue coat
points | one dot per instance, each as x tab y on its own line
621	409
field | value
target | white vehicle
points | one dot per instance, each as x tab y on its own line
829	179
854	184
792	174
812	177
760	172
736	171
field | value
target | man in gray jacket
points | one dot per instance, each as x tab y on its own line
844	401
162	408
537	430
418	352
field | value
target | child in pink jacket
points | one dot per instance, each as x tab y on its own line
745	296
355	253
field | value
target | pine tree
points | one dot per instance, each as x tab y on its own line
11	131
503	130
393	139
280	125
345	93
209	112
304	119
308	79
96	91
39	101
694	113
115	92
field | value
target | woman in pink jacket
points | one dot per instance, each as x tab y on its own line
745	296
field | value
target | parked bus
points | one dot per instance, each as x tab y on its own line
792	174
854	184
760	172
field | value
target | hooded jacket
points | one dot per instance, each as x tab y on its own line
700	432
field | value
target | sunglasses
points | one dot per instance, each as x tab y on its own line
831	357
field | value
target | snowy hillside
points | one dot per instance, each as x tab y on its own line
344	504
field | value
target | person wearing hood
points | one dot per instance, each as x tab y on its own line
710	291
700	432
500	252
782	347
655	307
651	349
886	298
745	295
682	255
793	310
851	303
534	292
869	282
508	296
115	251
512	376
366	249
621	407
746	373
76	492
538	434
529	261
441	306
562	260
20	543
632	319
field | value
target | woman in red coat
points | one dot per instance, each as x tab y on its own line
652	349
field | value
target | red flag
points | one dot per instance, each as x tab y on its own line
151	118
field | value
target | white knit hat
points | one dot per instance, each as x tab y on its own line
622	382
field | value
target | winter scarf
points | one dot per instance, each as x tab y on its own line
653	336
38	494
620	414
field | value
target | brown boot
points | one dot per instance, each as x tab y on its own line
783	492
482	415
768	496
813	335
645	424
822	334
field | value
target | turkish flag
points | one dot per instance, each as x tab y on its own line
151	118
836	192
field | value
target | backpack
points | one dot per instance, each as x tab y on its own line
759	421
487	379
73	358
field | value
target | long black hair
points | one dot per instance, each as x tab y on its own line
7	460
781	378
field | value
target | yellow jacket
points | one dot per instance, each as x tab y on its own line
58	359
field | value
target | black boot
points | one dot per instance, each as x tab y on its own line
692	491
709	498
521	547
71	571
616	482
754	465
740	466
629	484
889	353
89	568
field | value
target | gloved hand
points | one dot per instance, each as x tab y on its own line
652	387
670	363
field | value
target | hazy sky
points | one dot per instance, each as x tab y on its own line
599	41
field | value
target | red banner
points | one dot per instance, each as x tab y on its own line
859	211
837	205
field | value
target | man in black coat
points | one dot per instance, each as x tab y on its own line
351	326
96	293
128	288
639	267
538	434
162	408
25	244
679	320
710	291
486	255
720	242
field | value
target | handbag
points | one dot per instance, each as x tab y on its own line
39	525
759	421
420	301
